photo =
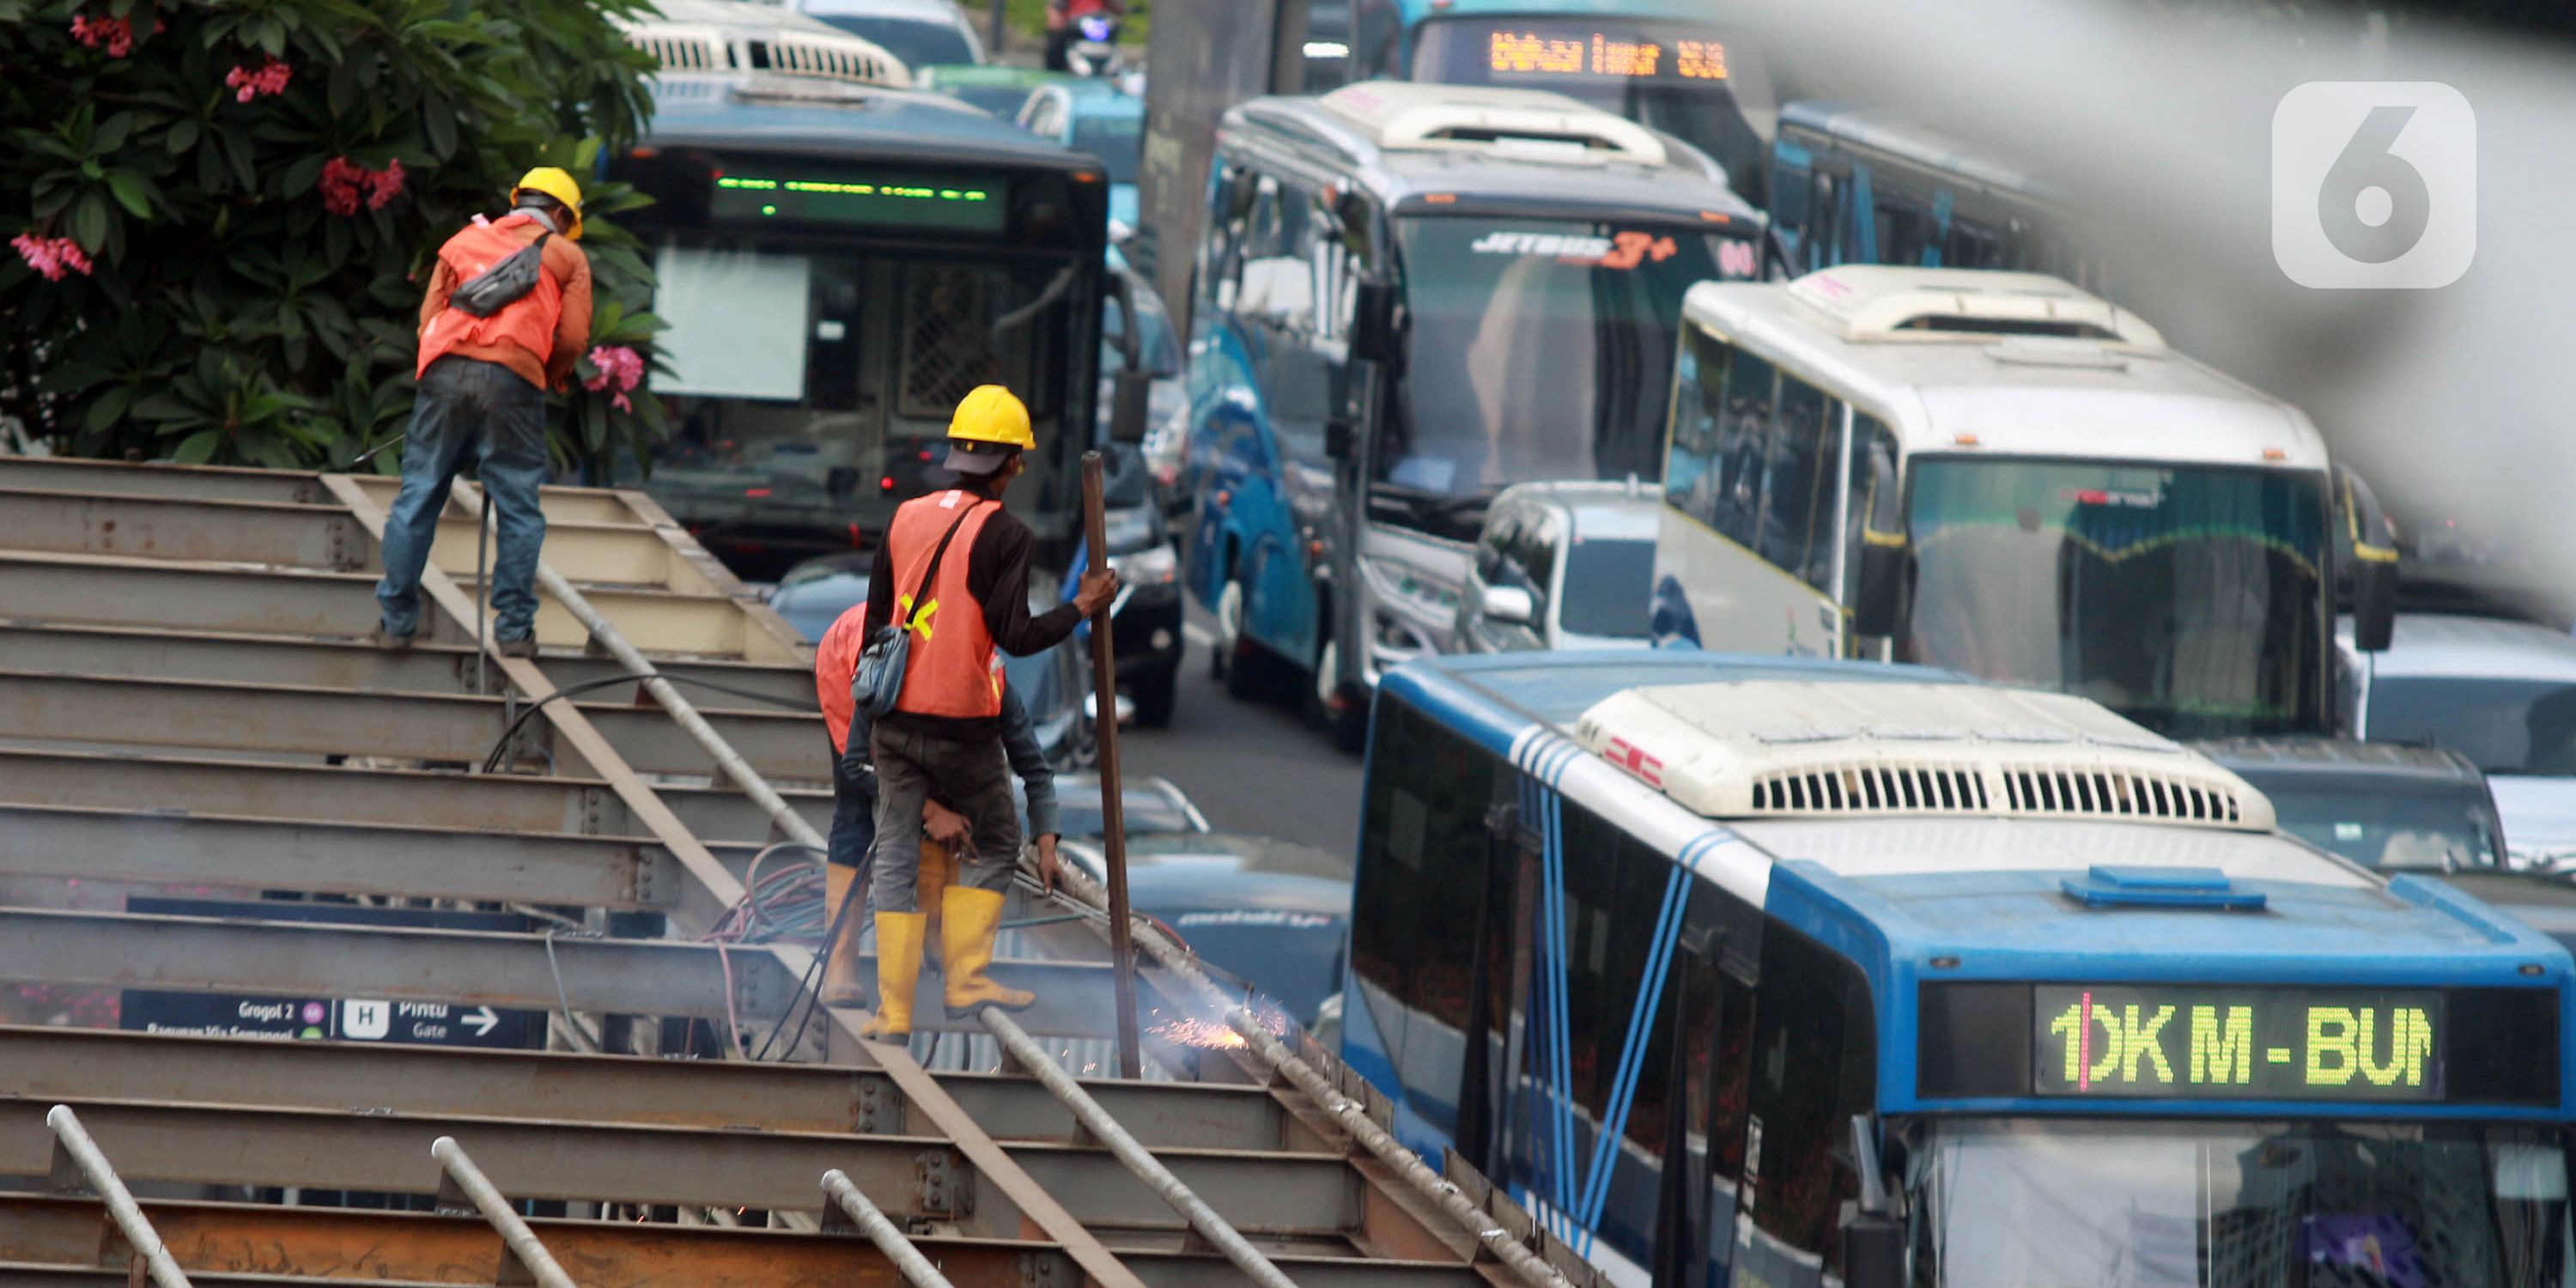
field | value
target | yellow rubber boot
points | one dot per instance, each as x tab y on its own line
938	872
899	936
973	917
841	974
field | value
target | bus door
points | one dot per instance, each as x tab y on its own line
1749	549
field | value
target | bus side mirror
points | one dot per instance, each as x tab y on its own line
2372	542
1373	322
1873	1238
1878	602
1339	438
1131	394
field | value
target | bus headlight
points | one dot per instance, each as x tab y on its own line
1153	566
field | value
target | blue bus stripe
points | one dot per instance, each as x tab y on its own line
1632	1052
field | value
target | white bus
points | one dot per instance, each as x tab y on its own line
1999	473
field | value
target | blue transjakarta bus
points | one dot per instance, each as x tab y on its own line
1670	64
1859	185
1776	972
1408	298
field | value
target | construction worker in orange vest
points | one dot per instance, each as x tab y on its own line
483	372
943	737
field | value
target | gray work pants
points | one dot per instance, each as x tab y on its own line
971	776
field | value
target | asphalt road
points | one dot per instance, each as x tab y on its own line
1250	768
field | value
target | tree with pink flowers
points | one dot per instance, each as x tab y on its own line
221	213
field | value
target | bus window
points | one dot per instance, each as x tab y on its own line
1797	532
1691	474
1814	1049
1744	430
1972	245
1874	495
1907	233
1423	848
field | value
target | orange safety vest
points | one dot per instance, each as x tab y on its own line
836	663
528	321
952	669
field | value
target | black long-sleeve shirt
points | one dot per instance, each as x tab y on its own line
997	575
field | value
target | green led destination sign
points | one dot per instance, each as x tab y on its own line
2194	1043
867	200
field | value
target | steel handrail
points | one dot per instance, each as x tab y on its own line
128	1214
495	1207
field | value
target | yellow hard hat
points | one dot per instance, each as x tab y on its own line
553	182
990	424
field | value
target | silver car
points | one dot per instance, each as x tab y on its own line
2500	692
1562	565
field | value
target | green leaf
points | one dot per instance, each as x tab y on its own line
131	191
109	408
198	448
90	219
112	134
439	121
299	177
183	135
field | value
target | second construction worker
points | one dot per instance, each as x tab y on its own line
944	830
953	571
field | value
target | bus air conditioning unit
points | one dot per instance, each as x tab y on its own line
724	36
1801	749
1879	302
1407	116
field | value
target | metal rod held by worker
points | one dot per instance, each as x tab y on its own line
495	1207
1104	688
915	1268
128	1214
1132	1153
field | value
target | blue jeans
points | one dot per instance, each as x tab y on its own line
854	806
466	402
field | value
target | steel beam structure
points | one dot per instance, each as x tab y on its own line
226	1239
395	797
1283	1195
242	853
170	527
741	1095
457	729
274	958
214	618
472	967
200	482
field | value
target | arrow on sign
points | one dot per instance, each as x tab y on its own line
483	1021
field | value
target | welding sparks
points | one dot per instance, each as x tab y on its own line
1213	1035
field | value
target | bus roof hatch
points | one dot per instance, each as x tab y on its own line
1887	302
1400	114
1806	749
732	36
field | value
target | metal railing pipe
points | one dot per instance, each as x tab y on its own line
1228	1241
121	1206
496	1210
1352	1115
908	1261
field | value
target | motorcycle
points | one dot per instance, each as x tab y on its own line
1094	48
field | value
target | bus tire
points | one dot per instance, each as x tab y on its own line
1346	724
1249	673
1157	696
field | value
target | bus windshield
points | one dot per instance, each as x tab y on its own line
1536	349
1683	78
2190	599
2022	1204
